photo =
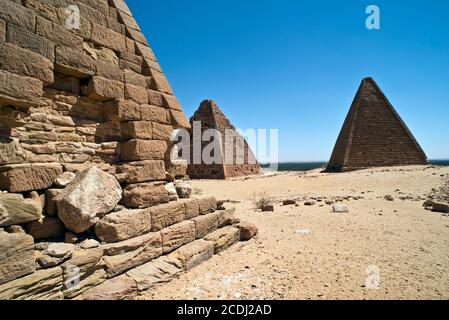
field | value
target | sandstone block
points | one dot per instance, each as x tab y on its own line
123	225
162	131
440	207
227	217
58	35
145	51
16	259
89	197
121	110
207	204
28	177
81	265
137	130
74	62
81	285
177	235
159	82
142	171
191	208
195	253
51	197
26	63
123	256
184	189
136	94
247	230
30	41
43	284
108	38
19	90
137	150
135	78
103	89
16	14
144	195
119	288
165	215
155	98
15	210
177	168
178	119
154	114
170	102
223	238
156	272
108	70
206	224
46	228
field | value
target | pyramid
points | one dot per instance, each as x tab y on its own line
211	117
374	135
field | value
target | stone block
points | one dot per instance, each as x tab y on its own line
178	119
103	89
207	204
26	39
136	94
18	15
247	230
191	208
121	110
11	152
19	90
137	150
137	130
57	34
206	224
165	215
108	38
223	238
119	288
177	235
28	177
195	253
144	195
162	131
155	98
142	171
154	114
46	228
74	62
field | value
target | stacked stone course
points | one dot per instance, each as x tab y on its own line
88	209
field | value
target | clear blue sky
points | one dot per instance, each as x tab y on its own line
295	65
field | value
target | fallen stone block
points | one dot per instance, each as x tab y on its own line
144	195
43	284
16	256
138	150
223	238
207	205
195	253
156	272
206	224
15	209
123	256
123	225
87	199
28	177
177	235
118	288
247	230
165	215
141	171
46	228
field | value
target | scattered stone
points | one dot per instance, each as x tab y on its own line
227	217
184	189
64	179
304	232
288	202
15	229
267	208
60	250
90	196
247	230
309	203
339	208
89	244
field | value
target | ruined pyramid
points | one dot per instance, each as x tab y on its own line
92	210
374	135
211	117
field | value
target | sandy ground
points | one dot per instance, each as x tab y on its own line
307	252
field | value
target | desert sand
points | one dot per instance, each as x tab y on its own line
309	252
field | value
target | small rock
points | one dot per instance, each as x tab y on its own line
64	179
267	208
89	244
184	189
340	208
304	232
15	229
288	202
309	203
389	198
440	207
247	230
59	250
172	193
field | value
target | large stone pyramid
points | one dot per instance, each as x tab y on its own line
211	117
374	135
89	204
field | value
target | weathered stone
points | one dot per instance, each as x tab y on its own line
64	179
118	288
74	62
156	98
121	110
223	238
191	207
16	14
28	177
227	217
14	209
340	208
90	196
177	168
177	235
58	35
16	258
156	272
108	38
46	228
137	130
2	31
207	204
267	208
59	250
30	41
195	253
123	225
26	63
123	256
288	202
137	150
206	224
165	215
76	286
51	196
144	195
103	89
135	78
136	94
108	70
178	119
89	244
170	187
440	207
142	171
46	261
81	265
154	114
162	131
247	230
43	284
19	90
184	189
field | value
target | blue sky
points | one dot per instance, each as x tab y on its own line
296	65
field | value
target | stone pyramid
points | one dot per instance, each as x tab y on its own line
92	209
374	135
211	117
